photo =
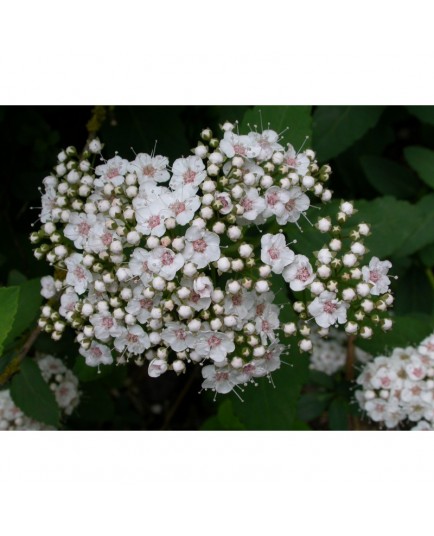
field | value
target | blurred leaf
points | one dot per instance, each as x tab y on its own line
423	113
30	300
388	177
96	403
89	374
310	406
414	292
9	297
421	226
322	379
426	255
338	414
335	128
224	420
297	118
407	330
273	407
15	277
33	396
421	160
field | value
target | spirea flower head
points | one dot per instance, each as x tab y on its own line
398	390
181	263
62	382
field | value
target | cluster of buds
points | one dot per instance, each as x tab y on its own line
399	389
169	265
62	382
329	355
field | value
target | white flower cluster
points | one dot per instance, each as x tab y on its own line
167	264
329	355
399	389
62	382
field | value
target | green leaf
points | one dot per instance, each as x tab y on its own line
322	379
15	277
407	331
9	297
338	414
414	292
426	255
423	113
388	177
272	406
33	396
224	420
336	128
421	226
310	406
421	160
297	118
29	303
89	374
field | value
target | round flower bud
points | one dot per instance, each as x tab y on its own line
133	238
206	213
130	319
213	170
326	196
84	190
259	351
87	309
216	158
266	181
245	250
351	328
317	287
387	324
237	161
234	232
95	146
324	271
102	306
318	189
363	289
178	366
158	283
237	362
308	181
277	158
118	313
265	270
123	274
99	286
194	325
290	328
249	179
237	265
262	286
348	294
152	242
230	321
364	229
130	179
156	312
224	264
201	151
298	306
199	222
178	244
126	293
219	227
305	345
367	306
366	332
208	187
349	259
324	225
216	324
324	256
347	208
129	214
285	183
116	247
234	287
183	293
154	337
185	311
217	296
131	191
237	192
207	200
335	244
356	273
189	269
358	248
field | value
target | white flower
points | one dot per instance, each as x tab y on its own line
240	304
220	380
298	162
77	275
150	169
267	323
214	345
182	204
157	367
112	172
177	336
267	141
375	274
225	199
299	273
105	325
48	287
426	347
275	252
327	309
134	339
295	203
139	306
97	354
203	286
68	301
79	228
202	247
139	265
188	171
150	218
253	204
48	201
65	394
234	145
164	262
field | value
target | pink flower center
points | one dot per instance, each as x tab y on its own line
132	338
272	199
223	201
266	326
385	381
290	205
374	276
145	266
112	172
96	352
260	309
107	239
214	341
239	149
149	171
153	222
79	272
249	369
107	322
167	258
221	376
274	253
83	228
303	274
199	245
247	204
418	372
177	207
189	176
180	334
146	304
237	299
292	162
330	307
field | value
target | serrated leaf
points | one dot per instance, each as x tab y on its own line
33	396
9	297
297	118
29	302
388	177
336	128
421	160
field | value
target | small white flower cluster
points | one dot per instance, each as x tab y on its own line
167	264
399	389
62	382
329	355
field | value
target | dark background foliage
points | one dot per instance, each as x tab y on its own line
382	157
